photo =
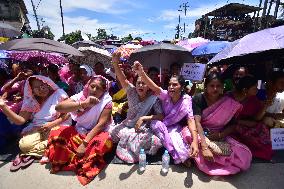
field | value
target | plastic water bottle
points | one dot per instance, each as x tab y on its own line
142	160
165	162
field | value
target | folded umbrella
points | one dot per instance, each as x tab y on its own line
40	44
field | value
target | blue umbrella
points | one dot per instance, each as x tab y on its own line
210	48
253	47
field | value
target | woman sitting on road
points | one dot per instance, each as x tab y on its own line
219	153
82	148
134	133
178	113
41	95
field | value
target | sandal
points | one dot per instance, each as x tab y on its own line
27	161
16	164
44	160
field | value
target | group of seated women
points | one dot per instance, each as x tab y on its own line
220	132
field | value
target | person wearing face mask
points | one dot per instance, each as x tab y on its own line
82	148
249	129
213	113
178	113
134	132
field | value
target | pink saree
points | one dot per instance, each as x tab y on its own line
215	118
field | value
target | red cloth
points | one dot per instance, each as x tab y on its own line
62	145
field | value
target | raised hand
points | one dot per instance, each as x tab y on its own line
137	67
116	57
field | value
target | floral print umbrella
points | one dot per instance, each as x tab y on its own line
40	56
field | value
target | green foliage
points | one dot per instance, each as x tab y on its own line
102	34
72	37
138	38
43	33
127	38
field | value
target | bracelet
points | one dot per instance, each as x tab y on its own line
85	142
195	130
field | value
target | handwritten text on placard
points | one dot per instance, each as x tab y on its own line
277	138
193	71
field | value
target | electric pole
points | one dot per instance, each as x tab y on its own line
62	21
34	9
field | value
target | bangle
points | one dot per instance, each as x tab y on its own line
195	130
85	142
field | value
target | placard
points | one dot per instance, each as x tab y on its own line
193	71
277	138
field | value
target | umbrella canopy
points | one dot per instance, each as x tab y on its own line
6	30
264	43
210	48
42	57
94	55
192	43
86	44
39	44
161	55
127	50
110	48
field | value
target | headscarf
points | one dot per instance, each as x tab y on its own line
89	70
85	91
30	104
83	95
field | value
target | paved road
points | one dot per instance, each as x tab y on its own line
260	176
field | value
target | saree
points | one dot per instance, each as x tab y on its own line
129	141
35	143
169	130
257	138
64	141
215	118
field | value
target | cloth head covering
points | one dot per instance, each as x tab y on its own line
85	92
30	104
89	70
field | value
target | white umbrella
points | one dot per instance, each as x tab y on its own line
94	55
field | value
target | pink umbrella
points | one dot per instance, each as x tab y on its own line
44	57
127	50
192	43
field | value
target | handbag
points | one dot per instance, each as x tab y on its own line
220	148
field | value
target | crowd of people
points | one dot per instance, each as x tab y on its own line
71	117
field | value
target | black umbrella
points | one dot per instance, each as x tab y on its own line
161	55
79	44
40	44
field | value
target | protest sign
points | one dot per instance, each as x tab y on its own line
277	138
193	71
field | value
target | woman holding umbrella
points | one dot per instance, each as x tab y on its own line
177	108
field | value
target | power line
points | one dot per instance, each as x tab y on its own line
38	4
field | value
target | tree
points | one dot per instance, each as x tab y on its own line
102	34
138	38
43	33
127	38
72	37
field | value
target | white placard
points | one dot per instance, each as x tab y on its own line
193	71
277	138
